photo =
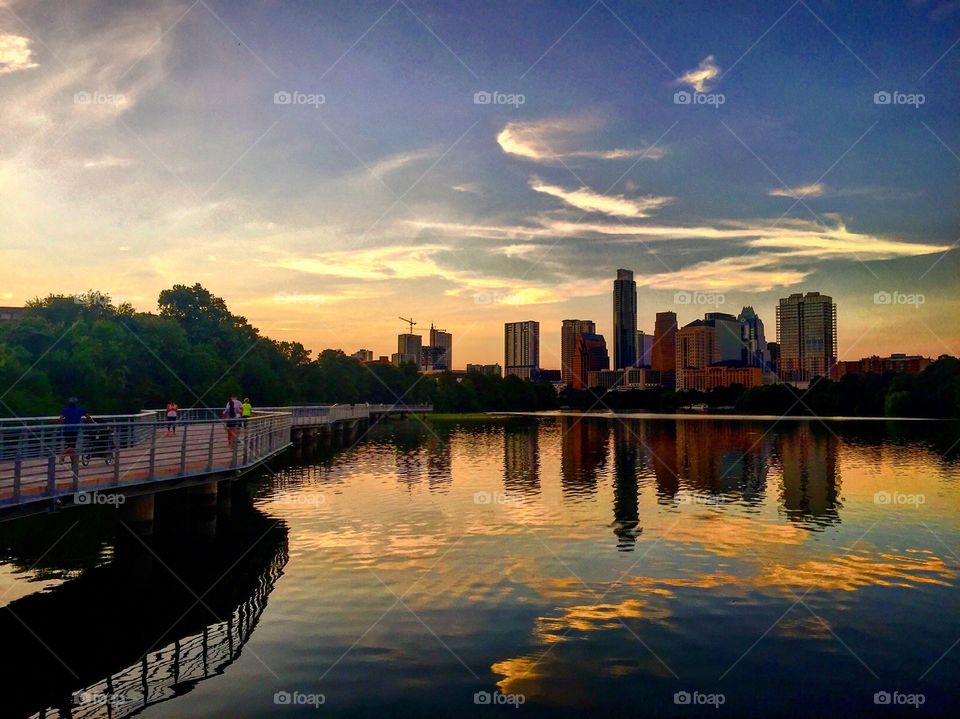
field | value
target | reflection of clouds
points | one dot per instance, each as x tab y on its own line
855	571
728	536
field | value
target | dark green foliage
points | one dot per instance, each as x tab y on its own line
196	352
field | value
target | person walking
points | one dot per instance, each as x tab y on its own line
172	410
246	411
232	413
72	417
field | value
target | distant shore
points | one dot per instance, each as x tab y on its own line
640	414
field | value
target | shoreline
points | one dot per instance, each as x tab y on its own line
706	416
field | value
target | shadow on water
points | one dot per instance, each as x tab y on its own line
130	632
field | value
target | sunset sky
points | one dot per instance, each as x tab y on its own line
144	144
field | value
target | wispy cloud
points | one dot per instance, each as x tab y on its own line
107	161
799	192
754	273
590	201
700	77
550	141
15	53
398	161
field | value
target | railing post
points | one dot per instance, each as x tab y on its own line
75	461
153	452
246	442
236	448
183	450
213	426
116	457
51	474
17	469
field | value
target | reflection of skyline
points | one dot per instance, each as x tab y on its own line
810	489
627	451
584	453
521	459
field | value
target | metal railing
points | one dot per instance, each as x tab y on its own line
40	461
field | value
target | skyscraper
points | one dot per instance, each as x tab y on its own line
521	351
807	335
409	347
589	355
755	353
624	320
569	331
698	347
442	341
728	335
664	354
644	349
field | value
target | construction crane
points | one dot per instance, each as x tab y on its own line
409	322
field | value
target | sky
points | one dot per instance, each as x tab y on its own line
328	167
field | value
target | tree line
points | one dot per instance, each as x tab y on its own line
934	392
194	350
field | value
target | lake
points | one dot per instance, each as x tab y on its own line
529	566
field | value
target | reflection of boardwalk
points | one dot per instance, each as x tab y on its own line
174	669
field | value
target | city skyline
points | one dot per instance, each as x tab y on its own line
312	206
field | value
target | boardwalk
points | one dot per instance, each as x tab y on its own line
127	452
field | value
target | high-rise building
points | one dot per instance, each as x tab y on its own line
521	353
409	347
589	355
624	320
807	335
773	350
569	331
664	355
644	349
698	347
755	352
363	355
442	341
728	335
491	369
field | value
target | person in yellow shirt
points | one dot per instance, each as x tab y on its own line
246	410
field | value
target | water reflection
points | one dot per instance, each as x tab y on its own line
811	484
585	453
131	633
627	455
521	459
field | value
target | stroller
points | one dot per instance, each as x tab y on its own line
98	444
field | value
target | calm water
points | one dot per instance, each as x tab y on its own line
576	566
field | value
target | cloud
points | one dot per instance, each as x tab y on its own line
398	161
754	273
699	78
549	141
589	201
471	187
799	192
107	161
15	54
